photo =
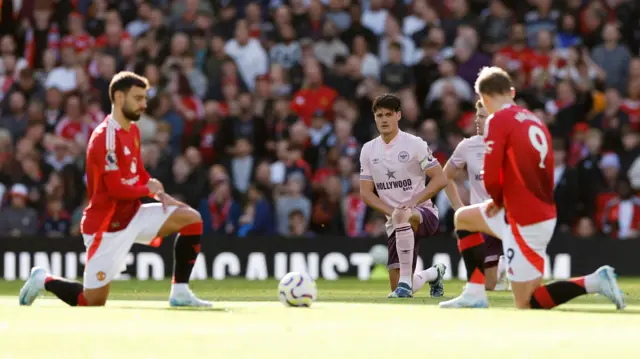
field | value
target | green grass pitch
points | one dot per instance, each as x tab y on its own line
351	319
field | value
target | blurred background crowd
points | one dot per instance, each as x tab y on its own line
258	109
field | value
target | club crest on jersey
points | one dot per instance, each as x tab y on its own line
101	276
126	151
111	161
404	156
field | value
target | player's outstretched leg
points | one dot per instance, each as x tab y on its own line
433	276
472	248
405	242
602	281
188	224
69	292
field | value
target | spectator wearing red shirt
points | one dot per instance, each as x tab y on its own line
78	38
114	33
76	125
621	218
538	61
631	105
314	96
517	51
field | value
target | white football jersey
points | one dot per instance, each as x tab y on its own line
470	154
397	169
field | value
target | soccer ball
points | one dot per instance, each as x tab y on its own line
297	290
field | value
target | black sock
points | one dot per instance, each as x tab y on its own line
68	291
556	293
472	248
185	252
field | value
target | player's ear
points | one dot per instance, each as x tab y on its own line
513	92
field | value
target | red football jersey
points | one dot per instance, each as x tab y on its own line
76	131
116	178
518	165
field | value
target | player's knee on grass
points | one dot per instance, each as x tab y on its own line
181	217
400	216
96	297
522	292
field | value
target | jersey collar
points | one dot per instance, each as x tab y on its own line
113	122
393	141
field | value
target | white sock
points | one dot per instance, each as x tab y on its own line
591	283
404	247
502	266
422	277
405	279
177	288
475	289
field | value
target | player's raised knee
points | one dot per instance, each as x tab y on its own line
400	216
459	218
465	218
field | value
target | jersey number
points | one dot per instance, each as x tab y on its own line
539	142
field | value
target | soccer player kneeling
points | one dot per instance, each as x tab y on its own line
396	165
115	219
518	176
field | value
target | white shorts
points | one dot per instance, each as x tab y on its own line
111	248
525	247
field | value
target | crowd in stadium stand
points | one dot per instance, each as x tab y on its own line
258	109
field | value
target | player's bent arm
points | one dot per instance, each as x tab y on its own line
437	181
370	198
122	191
451	171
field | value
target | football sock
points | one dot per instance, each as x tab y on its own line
428	275
186	251
502	266
556	293
472	248
404	246
68	291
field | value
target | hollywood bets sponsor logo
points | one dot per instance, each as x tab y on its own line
405	185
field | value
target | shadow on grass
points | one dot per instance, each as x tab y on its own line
176	309
627	311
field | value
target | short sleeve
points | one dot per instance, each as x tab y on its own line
425	156
457	158
365	171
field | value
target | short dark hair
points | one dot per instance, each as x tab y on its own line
493	81
387	101
124	81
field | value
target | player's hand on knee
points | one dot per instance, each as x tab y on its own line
155	186
492	209
400	216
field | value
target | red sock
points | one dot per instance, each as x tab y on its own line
82	301
472	249
552	295
186	251
68	291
